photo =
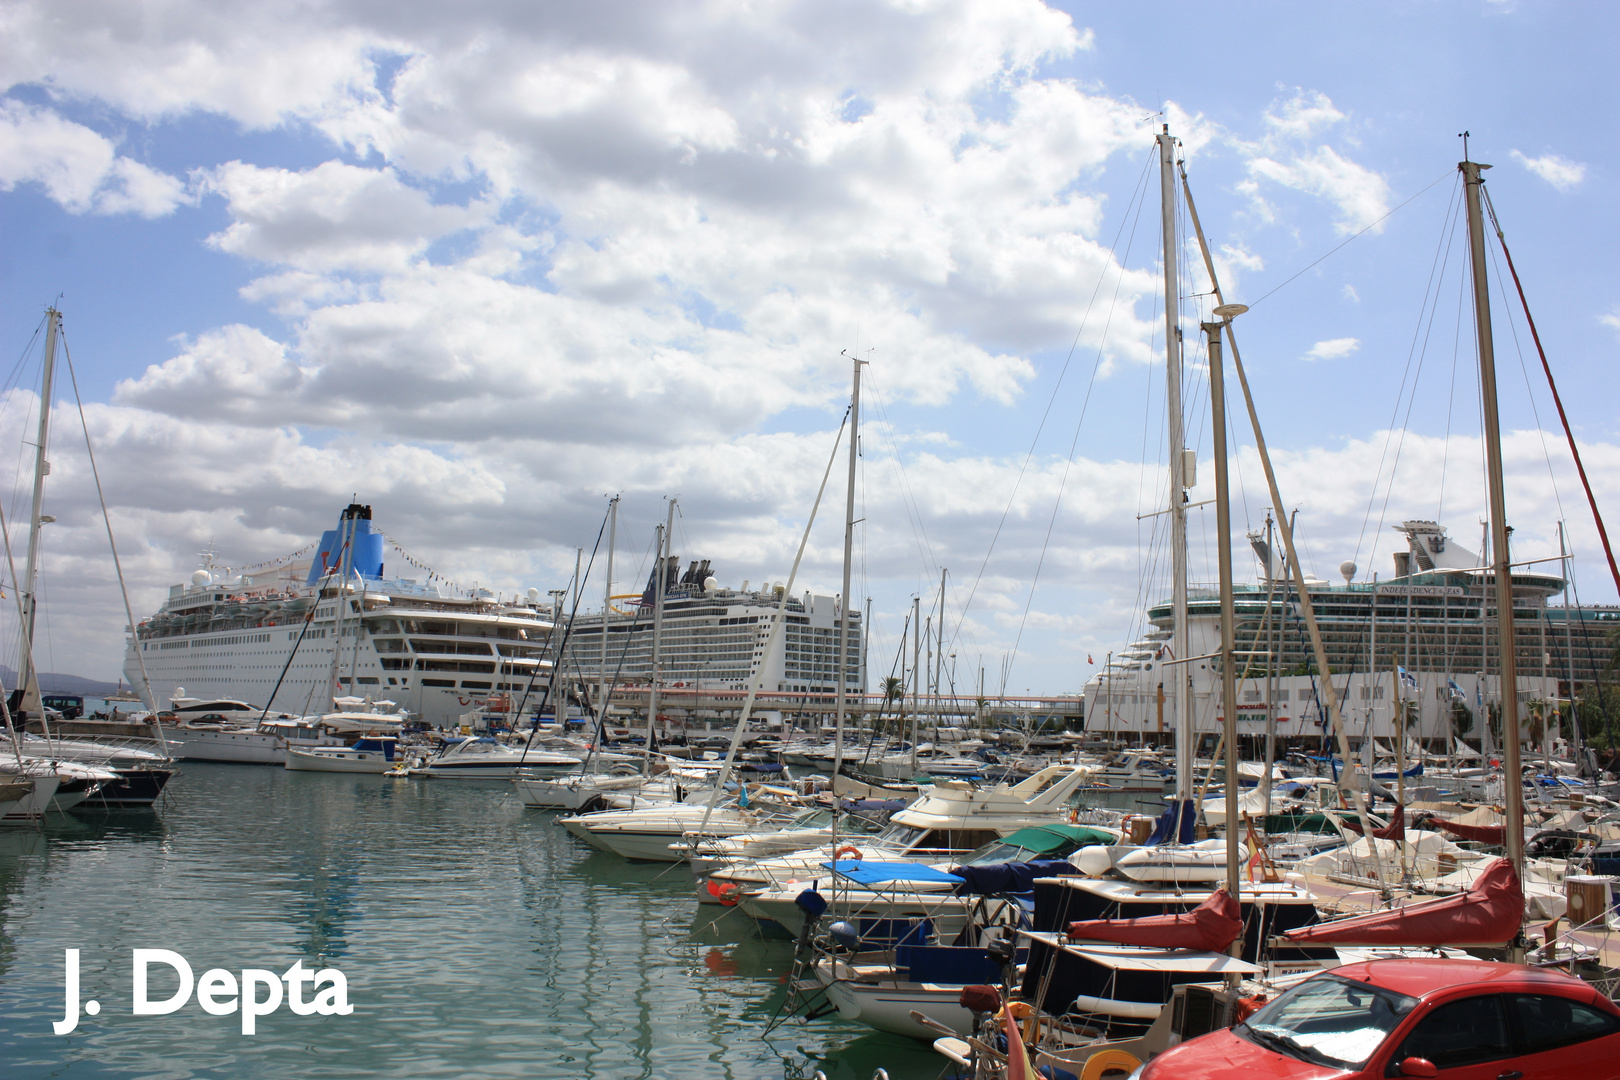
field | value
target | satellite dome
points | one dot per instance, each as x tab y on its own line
534	595
710	585
1348	569
201	578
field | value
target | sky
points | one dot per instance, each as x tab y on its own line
484	266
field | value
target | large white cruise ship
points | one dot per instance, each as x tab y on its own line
1435	619
338	626
715	637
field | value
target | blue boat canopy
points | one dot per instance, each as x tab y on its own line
876	873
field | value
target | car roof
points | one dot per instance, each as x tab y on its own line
1425	976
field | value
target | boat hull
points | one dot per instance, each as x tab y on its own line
134	789
371	762
30	807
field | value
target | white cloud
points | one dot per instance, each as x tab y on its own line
1349	293
1611	320
78	168
1333	349
1360	195
1559	172
1302	116
1281	157
334	216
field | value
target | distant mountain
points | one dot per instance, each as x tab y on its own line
54	682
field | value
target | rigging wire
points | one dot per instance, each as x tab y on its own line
1603	533
1416	352
1052	398
1074	442
1451	396
1355	236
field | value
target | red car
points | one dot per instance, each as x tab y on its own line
1452	1019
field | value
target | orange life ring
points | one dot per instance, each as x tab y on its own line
848	849
1108	1061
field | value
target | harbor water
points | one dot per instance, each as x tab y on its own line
476	939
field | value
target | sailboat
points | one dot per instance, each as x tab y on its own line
140	773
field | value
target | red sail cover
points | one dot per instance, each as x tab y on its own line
1490	912
1480	834
1210	927
1395	830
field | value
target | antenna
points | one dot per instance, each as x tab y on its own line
1463	135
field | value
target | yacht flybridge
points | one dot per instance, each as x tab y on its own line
340	625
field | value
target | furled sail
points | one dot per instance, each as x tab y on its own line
1209	927
1489	913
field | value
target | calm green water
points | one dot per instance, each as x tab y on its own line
477	938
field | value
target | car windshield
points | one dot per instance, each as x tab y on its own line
1329	1020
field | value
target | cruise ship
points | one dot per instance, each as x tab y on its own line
1434	620
339	626
715	638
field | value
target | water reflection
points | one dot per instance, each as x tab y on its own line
478	939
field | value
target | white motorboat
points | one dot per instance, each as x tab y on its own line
573	791
369	755
647	833
33	803
484	758
949	820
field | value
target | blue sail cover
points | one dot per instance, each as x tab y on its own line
1009	877
1166	832
367	559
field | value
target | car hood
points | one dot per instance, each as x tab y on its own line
1221	1055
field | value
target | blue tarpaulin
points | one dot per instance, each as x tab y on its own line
875	873
1165	831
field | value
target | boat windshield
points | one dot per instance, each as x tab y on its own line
901	836
1328	1021
999	851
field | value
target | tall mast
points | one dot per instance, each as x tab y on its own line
916	675
559	633
1178	474
661	584
841	662
1501	559
607	604
340	594
1223	531
30	584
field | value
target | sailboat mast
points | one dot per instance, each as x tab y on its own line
1501	559
607	604
42	468
661	585
841	662
1178	476
1223	532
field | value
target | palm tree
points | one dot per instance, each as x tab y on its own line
893	690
